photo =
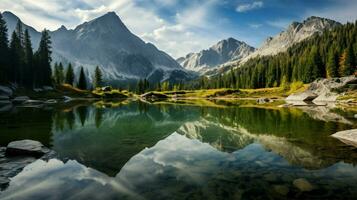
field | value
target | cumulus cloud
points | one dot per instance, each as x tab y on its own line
249	6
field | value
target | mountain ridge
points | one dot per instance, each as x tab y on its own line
225	50
106	42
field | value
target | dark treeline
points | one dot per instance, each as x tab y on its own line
331	54
18	63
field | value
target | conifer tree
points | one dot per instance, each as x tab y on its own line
28	71
70	75
98	78
82	81
332	65
15	58
4	50
44	59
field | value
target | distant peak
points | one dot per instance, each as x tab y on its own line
9	14
62	28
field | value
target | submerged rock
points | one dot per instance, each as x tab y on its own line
281	189
51	101
348	137
26	148
303	185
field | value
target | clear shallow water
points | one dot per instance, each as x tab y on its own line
133	150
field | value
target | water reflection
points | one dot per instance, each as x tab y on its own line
181	168
139	150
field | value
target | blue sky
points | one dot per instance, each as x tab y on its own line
183	26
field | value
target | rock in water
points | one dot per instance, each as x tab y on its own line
26	147
303	185
349	137
303	96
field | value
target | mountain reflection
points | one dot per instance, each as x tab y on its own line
177	167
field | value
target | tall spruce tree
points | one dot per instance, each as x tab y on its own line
43	55
28	71
98	77
82	82
70	75
332	65
15	58
4	50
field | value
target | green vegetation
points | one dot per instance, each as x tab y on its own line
331	54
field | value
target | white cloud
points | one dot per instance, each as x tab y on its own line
250	6
190	29
255	26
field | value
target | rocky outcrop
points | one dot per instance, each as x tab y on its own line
26	147
5	91
153	96
17	155
349	137
324	90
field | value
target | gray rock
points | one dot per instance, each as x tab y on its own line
51	101
21	99
303	185
348	137
26	147
355	116
303	96
324	90
38	90
5	91
153	95
67	99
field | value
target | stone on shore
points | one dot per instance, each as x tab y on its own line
324	90
26	148
303	185
348	137
153	96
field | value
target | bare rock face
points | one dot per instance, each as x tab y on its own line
26	147
349	137
224	51
295	33
323	90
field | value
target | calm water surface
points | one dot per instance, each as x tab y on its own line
133	150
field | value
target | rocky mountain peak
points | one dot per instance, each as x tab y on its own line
224	51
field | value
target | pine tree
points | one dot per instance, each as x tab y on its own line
342	64
332	65
70	75
44	59
28	72
15	58
98	77
350	62
4	50
82	82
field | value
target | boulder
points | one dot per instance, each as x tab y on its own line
107	89
348	137
67	99
38	90
5	107
324	90
153	96
21	99
303	96
51	101
26	148
303	185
